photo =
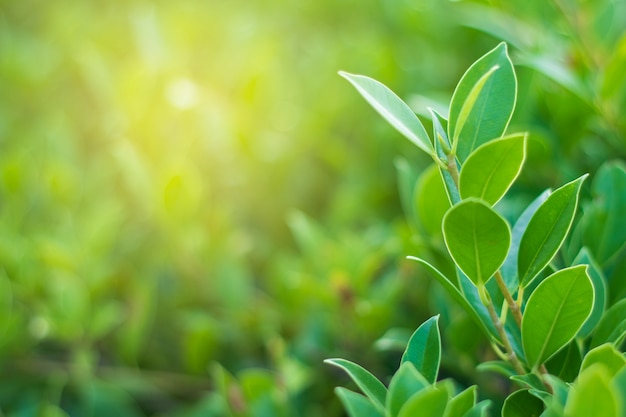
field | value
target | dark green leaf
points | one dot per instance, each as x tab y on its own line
424	349
406	382
612	326
555	312
546	231
522	404
600	292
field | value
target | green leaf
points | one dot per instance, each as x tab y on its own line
606	355
522	404
424	349
477	238
429	402
491	110
392	109
509	268
479	314
431	200
357	405
406	382
592	395
368	383
603	232
600	291
531	381
612	326
554	313
546	231
479	410
461	403
439	131
492	168
406	189
499	367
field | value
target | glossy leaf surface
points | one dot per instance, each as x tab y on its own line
546	230
424	349
491	169
430	402
392	109
555	312
477	238
492	109
406	382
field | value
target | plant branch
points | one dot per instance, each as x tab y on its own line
510	353
513	305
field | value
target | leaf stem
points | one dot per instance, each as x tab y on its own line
513	305
453	169
510	353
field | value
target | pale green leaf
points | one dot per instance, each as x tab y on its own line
424	349
406	382
477	238
431	200
606	355
492	168
368	383
491	110
392	109
429	402
555	312
547	230
592	395
357	405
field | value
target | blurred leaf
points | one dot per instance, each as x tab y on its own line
594	384
478	239
546	230
392	109
368	383
491	169
555	312
602	231
612	326
461	403
491	111
424	349
606	355
431	200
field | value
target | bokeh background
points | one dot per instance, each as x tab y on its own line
196	210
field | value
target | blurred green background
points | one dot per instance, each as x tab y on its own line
195	210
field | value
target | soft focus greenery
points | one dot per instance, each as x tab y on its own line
195	209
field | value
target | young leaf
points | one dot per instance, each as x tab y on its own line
522	404
612	326
429	402
424	349
491	169
392	109
406	382
461	403
357	405
479	314
368	383
603	233
477	238
546	231
555	312
592	395
608	356
491	110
